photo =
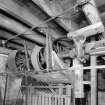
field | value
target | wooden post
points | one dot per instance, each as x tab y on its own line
60	91
93	82
43	100
49	99
68	90
78	79
55	99
68	93
39	100
28	96
48	50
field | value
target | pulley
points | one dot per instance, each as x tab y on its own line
17	62
38	58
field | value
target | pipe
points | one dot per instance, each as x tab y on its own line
18	28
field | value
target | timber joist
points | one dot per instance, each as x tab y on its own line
98	51
87	31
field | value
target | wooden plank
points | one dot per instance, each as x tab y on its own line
68	90
69	100
90	47
55	100
33	100
61	97
68	94
93	82
43	100
98	51
87	31
40	100
60	89
91	12
48	49
36	100
65	99
49	99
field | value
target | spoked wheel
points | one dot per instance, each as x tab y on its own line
17	61
21	61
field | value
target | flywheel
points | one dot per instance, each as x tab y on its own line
38	58
17	61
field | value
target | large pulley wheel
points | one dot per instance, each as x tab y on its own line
17	61
38	58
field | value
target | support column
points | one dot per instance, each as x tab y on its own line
78	79
68	93
93	81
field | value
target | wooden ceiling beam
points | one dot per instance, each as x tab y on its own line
12	44
19	41
31	15
53	8
16	27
